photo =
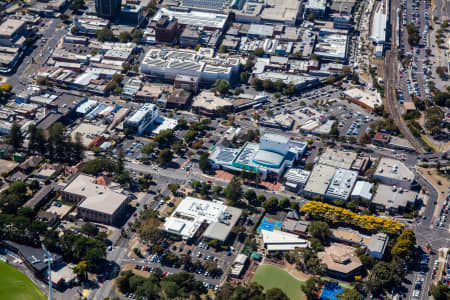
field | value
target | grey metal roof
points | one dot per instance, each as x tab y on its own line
268	158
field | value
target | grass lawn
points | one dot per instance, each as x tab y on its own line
14	285
270	276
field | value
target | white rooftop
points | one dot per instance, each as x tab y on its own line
319	179
379	28
363	189
341	184
193	17
393	169
338	158
282	241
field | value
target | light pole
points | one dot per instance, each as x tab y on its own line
49	260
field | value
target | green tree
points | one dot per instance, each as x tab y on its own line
233	191
349	294
276	294
203	162
271	204
221	86
190	136
105	35
440	291
137	35
310	288
320	231
89	229
311	17
165	156
173	187
15	137
76	5
80	271
259	52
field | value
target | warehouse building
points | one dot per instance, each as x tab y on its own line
332	46
319	180
194	218
362	190
378	35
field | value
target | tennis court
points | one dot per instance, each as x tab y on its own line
330	291
270	225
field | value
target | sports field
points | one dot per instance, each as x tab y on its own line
14	285
270	276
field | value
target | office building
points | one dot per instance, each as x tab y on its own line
194	218
132	14
109	9
97	202
316	7
142	118
362	190
296	179
166	29
341	184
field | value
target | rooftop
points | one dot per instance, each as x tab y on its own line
340	258
10	27
368	98
350	236
97	197
209	101
393	197
341	184
393	169
378	243
282	241
193	17
363	189
319	179
338	158
297	176
191	213
379	28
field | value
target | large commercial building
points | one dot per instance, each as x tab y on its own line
272	11
270	157
393	199
11	29
332	45
300	81
168	63
378	35
338	158
207	20
394	172
194	218
141	119
96	201
108	8
330	182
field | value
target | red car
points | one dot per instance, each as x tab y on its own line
165	273
135	214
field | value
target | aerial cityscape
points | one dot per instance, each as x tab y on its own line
224	149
